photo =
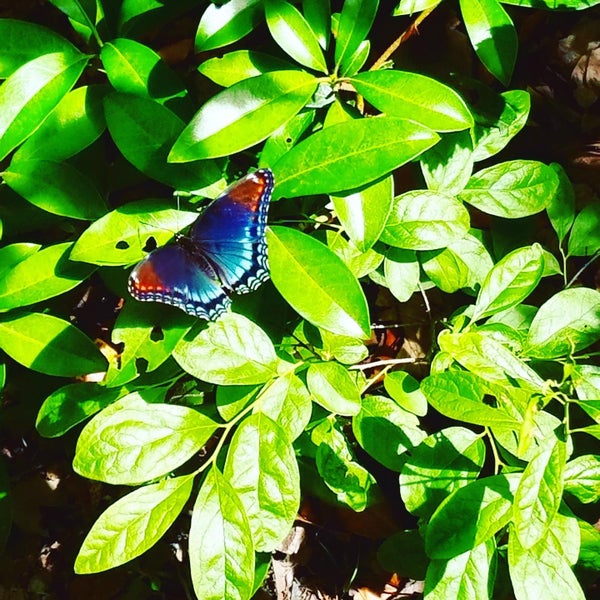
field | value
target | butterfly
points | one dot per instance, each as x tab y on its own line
224	252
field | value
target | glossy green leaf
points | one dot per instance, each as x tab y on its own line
349	155
43	275
354	25
512	189
133	524
463	264
220	544
539	494
404	389
13	254
133	68
30	94
332	387
232	399
561	208
223	24
56	187
243	115
425	220
471	515
582	478
144	132
119	238
262	468
287	401
554	4
447	166
441	463
498	118
241	64
409	7
22	41
318	15
82	12
148	335
468	576
49	345
386	431
566	323
285	137
132	441
460	396
71	404
493	35
345	349
363	213
416	97
404	553
316	283
584	239
510	281
73	125
357	61
402	273
294	35
360	263
230	351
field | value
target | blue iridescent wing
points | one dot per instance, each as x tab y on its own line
173	275
230	233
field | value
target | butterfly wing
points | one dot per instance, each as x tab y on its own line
174	275
230	233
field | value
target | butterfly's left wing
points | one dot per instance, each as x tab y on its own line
231	232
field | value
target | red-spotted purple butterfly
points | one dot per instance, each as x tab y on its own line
224	252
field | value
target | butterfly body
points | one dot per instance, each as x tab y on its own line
225	252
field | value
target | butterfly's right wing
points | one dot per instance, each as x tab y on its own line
171	275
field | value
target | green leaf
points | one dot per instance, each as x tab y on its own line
243	115
349	155
441	463
223	24
119	238
386	431
241	64
345	349
409	7
470	516
220	545
332	387
582	478
539	493
43	275
294	35
402	273
316	283
584	239
262	468
554	4
416	97
460	396
512	189
463	264
71	404
131	441
357	61
425	220
318	15
56	187
447	166
468	576
148	334
566	323
493	36
49	345
283	139
133	68
561	208
355	21
287	401
144	132
230	351
13	254
542	571
589	553
404	553
510	281
30	94
404	389
23	41
73	125
360	263
498	119
363	213
133	524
